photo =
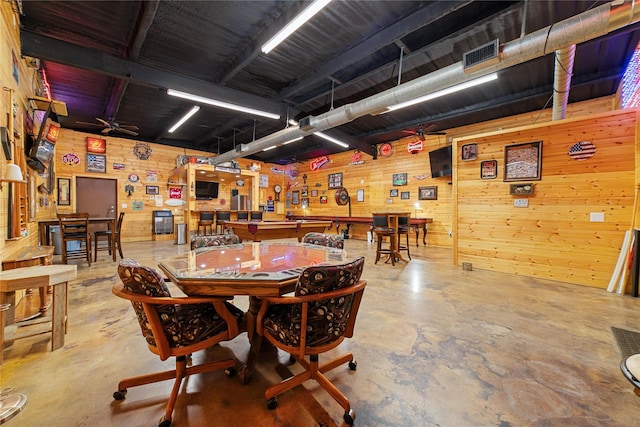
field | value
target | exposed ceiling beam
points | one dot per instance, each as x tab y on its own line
68	54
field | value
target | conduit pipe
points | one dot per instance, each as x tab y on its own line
562	35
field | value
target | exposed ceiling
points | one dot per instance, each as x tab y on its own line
115	60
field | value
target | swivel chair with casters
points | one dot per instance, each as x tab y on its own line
175	327
320	315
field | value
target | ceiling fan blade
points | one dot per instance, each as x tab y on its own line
129	127
89	124
127	131
104	122
105	131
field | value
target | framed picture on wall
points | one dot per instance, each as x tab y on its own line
405	195
428	193
523	162
64	192
335	180
295	197
393	192
314	193
489	169
96	163
152	189
469	151
399	179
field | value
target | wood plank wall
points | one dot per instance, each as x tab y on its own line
553	238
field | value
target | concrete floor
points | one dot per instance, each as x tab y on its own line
436	346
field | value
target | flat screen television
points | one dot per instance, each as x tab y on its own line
441	162
206	190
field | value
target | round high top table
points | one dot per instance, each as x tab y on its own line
10	404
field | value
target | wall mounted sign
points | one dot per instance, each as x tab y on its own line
428	193
469	152
415	147
175	192
133	177
96	145
582	150
356	158
316	164
70	159
53	132
64	192
335	180
385	150
118	166
152	176
399	179
142	150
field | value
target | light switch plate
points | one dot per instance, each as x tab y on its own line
596	217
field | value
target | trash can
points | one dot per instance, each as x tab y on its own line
181	234
56	240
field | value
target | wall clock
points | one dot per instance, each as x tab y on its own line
277	189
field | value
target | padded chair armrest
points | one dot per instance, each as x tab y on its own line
119	290
292	299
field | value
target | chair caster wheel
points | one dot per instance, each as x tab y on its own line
272	403
353	365
230	372
164	422
292	360
349	417
120	394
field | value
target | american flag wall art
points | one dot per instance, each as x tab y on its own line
582	150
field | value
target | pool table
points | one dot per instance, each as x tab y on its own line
265	230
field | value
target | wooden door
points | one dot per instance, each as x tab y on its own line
98	197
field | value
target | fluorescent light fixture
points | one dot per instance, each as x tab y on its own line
186	117
330	139
269	148
293	122
221	104
443	92
292	140
292	26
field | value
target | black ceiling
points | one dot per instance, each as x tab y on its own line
114	60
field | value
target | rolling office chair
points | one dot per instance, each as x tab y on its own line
175	327
317	319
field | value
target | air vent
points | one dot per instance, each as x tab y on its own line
485	55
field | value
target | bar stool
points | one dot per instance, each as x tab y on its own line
243	216
206	221
221	218
381	230
74	227
256	215
403	229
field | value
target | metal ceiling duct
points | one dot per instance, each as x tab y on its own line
575	30
562	81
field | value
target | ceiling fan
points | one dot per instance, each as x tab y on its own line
109	126
420	132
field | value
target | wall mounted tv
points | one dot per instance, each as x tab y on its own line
441	162
206	190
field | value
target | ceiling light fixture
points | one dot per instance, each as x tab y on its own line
222	104
331	139
443	92
269	148
292	140
186	117
292	26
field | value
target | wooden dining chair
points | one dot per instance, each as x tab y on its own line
74	227
320	315
175	327
112	240
206	221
